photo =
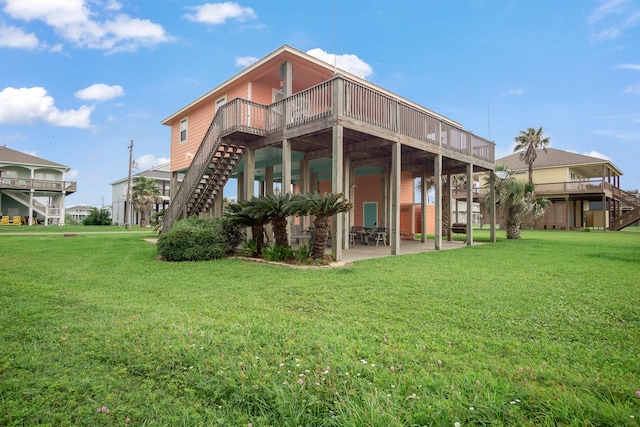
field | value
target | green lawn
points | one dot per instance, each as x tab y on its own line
541	331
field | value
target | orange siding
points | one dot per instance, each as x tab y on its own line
431	219
407	188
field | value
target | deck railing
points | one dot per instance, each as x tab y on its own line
381	110
37	184
237	115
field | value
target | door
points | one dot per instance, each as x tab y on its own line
370	210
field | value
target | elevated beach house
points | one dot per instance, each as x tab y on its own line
294	121
32	188
584	190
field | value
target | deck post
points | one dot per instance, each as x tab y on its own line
286	166
447	206
337	183
304	186
423	206
469	204
492	198
437	167
241	187
347	196
249	173
394	223
268	178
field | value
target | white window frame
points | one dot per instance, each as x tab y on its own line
220	102
184	129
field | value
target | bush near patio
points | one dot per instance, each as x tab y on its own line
199	239
540	331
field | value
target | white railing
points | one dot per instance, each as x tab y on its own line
37	184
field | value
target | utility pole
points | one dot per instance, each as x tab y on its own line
127	203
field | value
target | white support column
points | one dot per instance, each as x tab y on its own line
437	167
337	183
492	201
394	225
31	206
469	204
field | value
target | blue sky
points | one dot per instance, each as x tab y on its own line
81	78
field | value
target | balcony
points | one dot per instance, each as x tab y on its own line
38	185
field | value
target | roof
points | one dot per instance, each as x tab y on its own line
7	155
285	49
160	172
553	158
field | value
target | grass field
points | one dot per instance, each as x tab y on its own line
542	331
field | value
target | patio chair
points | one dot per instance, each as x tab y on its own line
379	235
357	232
16	220
5	220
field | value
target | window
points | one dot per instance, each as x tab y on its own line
220	102
183	129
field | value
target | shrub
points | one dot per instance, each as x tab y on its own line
277	253
98	217
196	239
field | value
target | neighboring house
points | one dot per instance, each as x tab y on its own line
79	212
162	177
33	188
297	122
578	187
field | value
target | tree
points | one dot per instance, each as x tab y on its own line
145	193
515	199
322	207
239	214
528	142
275	209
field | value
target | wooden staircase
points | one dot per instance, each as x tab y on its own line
207	175
628	217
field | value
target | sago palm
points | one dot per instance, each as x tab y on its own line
238	214
275	209
322	206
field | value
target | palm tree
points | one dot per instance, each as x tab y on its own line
275	209
238	214
322	207
516	199
528	142
145	193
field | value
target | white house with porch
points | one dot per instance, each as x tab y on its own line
33	188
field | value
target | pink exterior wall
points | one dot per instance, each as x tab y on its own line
263	80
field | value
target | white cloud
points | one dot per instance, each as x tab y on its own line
634	89
100	92
15	37
73	21
147	161
635	67
613	17
245	61
26	106
347	62
219	13
597	155
513	92
72	174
